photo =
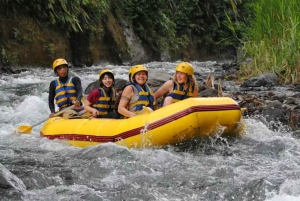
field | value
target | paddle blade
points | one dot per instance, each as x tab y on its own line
24	129
145	110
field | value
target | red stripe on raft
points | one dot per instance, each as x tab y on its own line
138	131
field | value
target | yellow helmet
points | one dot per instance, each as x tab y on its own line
59	62
185	67
137	68
105	71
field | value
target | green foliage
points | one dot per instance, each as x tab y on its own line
272	39
151	21
174	24
161	25
50	48
3	56
74	15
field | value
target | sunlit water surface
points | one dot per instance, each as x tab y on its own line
262	165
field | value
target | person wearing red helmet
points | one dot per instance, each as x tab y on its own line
182	86
137	94
101	102
65	90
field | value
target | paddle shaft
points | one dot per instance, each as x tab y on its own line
34	125
64	110
56	114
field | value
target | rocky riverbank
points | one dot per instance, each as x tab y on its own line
276	105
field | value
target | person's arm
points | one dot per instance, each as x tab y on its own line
196	91
124	101
51	98
91	99
166	88
78	88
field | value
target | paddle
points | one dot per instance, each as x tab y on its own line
145	110
26	129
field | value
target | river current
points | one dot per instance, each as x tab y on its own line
261	165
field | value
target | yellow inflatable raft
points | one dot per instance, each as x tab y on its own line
179	122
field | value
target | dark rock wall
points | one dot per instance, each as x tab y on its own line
28	43
25	42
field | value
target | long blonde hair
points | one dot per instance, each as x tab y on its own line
191	82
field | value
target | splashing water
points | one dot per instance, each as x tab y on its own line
261	165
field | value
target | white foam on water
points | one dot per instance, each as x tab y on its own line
161	173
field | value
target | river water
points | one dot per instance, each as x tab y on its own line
262	165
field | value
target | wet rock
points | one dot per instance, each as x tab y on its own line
91	87
232	67
209	93
137	52
78	64
275	117
120	83
8	70
265	79
297	87
296	95
295	119
9	180
157	78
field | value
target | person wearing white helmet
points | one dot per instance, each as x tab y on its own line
101	102
182	86
137	94
65	90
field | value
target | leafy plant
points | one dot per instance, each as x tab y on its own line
272	39
74	15
175	24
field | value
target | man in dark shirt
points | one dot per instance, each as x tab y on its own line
66	90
